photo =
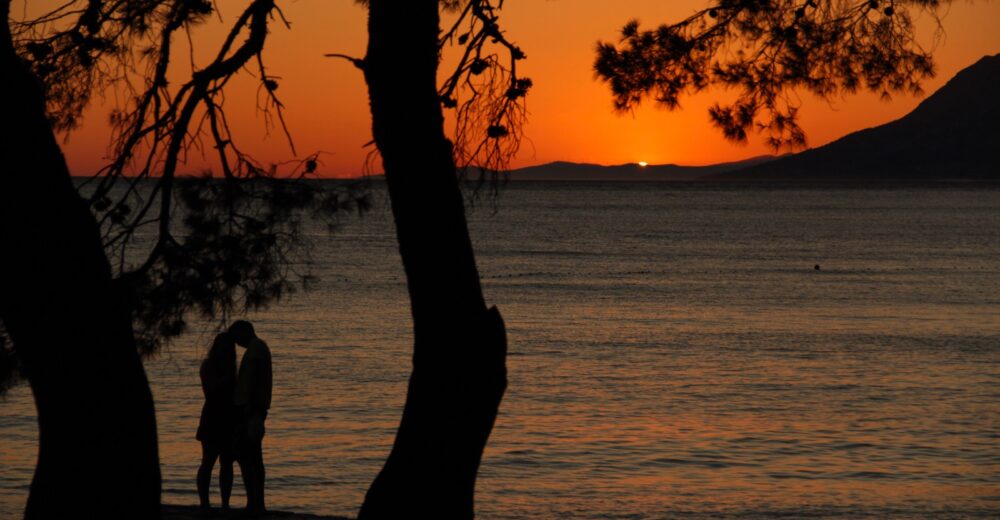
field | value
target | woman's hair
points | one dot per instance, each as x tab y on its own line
223	351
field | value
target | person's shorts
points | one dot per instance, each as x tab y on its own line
255	428
249	435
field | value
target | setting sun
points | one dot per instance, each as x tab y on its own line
643	164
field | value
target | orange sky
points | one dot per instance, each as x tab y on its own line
570	112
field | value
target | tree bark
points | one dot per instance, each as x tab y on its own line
70	327
459	372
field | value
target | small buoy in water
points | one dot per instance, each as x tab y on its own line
816	267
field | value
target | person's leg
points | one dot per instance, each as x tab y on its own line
254	465
254	462
242	456
226	477
249	461
260	475
208	455
246	471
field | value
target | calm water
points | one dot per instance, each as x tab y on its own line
673	354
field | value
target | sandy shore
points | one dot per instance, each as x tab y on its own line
192	513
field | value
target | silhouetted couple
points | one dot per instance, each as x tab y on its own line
232	420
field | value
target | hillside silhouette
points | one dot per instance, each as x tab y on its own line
953	134
570	171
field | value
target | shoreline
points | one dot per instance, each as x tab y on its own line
178	512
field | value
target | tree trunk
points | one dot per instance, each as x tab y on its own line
459	372
97	452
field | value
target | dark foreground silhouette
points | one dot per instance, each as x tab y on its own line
253	400
951	135
217	427
232	419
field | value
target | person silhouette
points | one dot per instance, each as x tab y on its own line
218	418
253	399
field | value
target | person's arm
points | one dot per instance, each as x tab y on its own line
255	409
265	374
244	382
206	389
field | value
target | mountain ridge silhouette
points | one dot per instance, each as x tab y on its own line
952	134
572	171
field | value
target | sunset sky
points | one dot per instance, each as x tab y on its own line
571	116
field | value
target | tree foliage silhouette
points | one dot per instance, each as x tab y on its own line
203	228
767	50
181	245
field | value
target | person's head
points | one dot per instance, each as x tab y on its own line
223	349
242	332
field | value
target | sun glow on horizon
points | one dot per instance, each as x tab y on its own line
317	91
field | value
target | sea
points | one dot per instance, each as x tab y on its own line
677	350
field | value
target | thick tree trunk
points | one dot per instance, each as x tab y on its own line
459	372
97	429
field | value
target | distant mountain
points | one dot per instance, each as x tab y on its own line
953	134
567	171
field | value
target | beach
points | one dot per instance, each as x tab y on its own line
173	512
